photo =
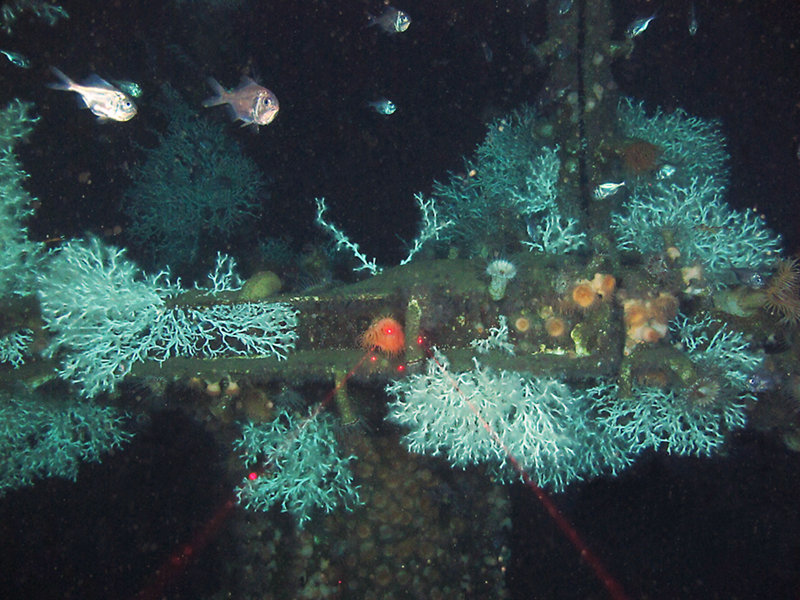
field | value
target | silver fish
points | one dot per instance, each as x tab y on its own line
692	20
250	103
99	96
752	278
17	59
639	26
763	380
488	55
390	20
604	190
665	172
382	106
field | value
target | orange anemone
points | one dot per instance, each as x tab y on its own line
385	334
555	327
583	294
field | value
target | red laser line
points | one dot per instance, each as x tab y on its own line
611	584
174	566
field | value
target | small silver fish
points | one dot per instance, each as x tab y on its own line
639	26
564	7
763	380
752	278
692	20
604	190
17	59
531	227
488	55
390	20
99	96
665	172
250	103
382	106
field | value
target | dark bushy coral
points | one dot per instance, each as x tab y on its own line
191	192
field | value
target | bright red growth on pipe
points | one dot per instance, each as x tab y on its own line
385	334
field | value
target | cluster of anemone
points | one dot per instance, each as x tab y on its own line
586	292
647	319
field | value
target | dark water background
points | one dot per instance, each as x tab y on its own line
726	527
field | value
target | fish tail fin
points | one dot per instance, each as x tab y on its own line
65	83
218	90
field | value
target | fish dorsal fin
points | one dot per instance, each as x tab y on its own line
95	80
246	82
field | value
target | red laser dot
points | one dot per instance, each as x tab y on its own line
420	340
252	476
384	334
401	368
373	358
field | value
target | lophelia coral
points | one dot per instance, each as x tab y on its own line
538	420
305	469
